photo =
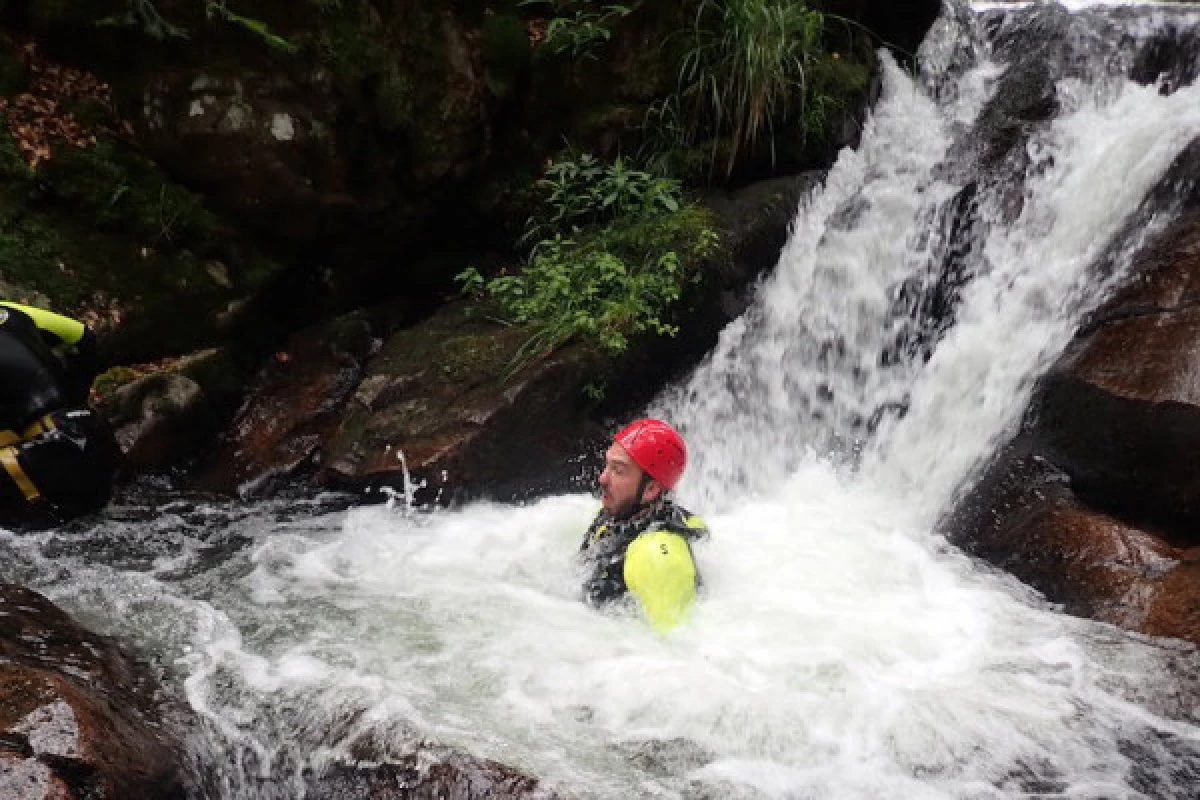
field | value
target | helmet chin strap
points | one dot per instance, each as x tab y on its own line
643	482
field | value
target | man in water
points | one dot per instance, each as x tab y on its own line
639	545
57	456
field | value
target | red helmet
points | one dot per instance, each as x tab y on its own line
657	448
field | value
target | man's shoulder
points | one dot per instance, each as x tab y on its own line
678	519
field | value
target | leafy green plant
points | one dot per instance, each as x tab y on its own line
580	190
577	30
746	69
615	246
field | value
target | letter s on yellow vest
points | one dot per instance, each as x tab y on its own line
660	573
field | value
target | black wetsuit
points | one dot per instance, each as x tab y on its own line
57	456
607	541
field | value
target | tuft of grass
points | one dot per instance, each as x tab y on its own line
745	69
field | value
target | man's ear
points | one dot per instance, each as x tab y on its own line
653	491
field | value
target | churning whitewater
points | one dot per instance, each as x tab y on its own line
841	648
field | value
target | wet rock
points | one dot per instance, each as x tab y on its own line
1096	502
441	403
1026	96
77	721
753	223
927	304
1170	59
993	154
292	407
1069	43
430	773
1121	410
159	419
1025	519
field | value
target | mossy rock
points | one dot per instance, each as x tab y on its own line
443	394
100	232
108	382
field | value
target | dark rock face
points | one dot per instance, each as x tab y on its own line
76	720
352	154
292	407
261	145
1027	96
901	25
1095	503
1169	60
753	224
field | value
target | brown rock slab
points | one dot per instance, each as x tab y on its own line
77	720
1121	411
439	401
1097	502
1174	610
1024	518
158	417
1097	566
292	407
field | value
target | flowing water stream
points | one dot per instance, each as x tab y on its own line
841	647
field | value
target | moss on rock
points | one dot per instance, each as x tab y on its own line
100	218
109	381
102	233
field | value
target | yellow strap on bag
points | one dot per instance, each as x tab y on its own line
39	426
596	534
8	459
660	573
68	330
9	437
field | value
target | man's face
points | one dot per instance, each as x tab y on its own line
619	483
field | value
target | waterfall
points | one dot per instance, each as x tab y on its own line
840	648
933	279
